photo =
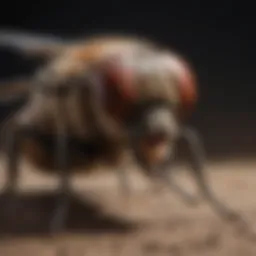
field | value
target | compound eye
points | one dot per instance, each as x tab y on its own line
121	76
187	85
188	90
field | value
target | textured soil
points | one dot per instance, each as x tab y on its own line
150	222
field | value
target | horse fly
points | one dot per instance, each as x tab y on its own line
125	92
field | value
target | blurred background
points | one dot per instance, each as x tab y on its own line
218	40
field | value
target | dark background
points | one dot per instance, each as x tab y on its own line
218	39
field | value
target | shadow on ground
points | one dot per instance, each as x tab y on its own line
33	214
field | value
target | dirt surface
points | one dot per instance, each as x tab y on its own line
151	222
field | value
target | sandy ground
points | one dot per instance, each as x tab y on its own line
151	222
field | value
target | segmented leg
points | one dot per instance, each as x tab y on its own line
124	180
12	157
166	175
197	164
163	171
12	140
13	133
197	161
62	207
123	168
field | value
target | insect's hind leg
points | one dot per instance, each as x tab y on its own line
12	135
12	141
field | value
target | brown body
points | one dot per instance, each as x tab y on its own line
130	70
90	92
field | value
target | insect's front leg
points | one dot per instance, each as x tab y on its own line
168	179
124	180
62	163
123	173
64	191
164	172
197	161
197	164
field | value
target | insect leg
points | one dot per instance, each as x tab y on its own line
164	172
61	211
12	140
123	175
197	159
168	179
13	132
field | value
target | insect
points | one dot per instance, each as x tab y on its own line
122	93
